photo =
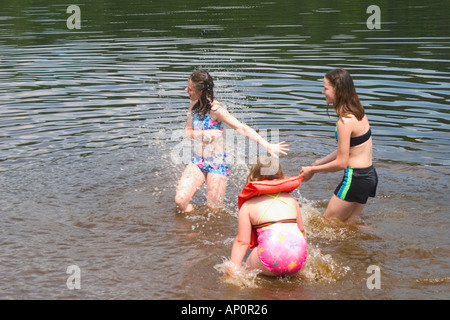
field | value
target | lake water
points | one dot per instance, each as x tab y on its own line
88	118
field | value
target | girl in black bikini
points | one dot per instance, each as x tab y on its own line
354	151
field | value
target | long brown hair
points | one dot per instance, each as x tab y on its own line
267	163
346	99
203	82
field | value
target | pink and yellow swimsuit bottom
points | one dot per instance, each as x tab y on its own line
282	247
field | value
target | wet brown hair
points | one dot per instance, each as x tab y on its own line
203	82
346	99
265	162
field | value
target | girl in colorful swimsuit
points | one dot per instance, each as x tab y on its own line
275	222
353	153
205	123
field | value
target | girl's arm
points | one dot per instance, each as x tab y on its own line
336	160
300	220
332	156
221	114
241	242
189	131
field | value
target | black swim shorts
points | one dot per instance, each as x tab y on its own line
358	185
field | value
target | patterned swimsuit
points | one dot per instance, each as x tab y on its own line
214	164
282	248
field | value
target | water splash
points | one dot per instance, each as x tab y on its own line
245	278
320	267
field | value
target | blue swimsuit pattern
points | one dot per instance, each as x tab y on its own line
216	164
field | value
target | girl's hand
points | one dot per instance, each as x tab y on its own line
307	173
210	135
231	269
276	148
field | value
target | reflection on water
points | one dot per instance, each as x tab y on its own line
86	138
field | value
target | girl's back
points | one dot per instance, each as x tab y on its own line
272	207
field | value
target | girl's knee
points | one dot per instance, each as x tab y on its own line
181	201
347	212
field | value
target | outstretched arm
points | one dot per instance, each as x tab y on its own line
221	114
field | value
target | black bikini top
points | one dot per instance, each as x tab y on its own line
356	141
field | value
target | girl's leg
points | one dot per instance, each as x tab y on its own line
254	263
189	183
217	185
342	210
